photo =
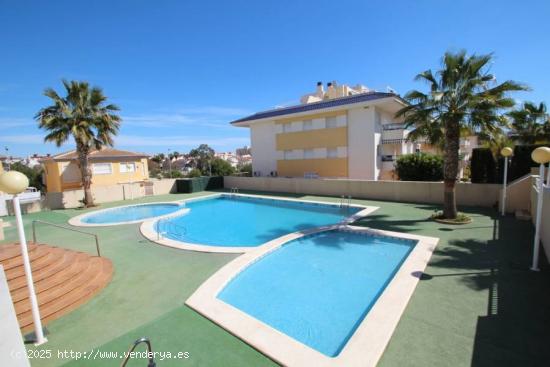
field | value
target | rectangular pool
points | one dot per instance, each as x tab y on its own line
317	289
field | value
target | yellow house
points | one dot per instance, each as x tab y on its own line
109	167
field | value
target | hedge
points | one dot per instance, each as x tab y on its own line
189	185
419	167
521	161
483	166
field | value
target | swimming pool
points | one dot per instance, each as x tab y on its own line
330	281
326	297
126	214
245	221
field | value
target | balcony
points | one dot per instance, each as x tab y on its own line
393	133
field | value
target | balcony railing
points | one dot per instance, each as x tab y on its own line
394	126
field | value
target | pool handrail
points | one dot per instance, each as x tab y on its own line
157	227
64	227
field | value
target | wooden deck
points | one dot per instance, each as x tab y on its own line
63	280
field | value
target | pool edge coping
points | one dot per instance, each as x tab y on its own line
367	344
77	220
147	227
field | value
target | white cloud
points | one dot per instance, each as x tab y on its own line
11	122
178	141
22	139
209	116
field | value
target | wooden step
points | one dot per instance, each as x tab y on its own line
70	300
88	270
52	256
35	253
55	267
63	280
13	250
48	283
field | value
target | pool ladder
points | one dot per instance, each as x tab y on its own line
151	361
172	228
234	190
345	201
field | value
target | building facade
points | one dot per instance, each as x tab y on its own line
108	166
341	133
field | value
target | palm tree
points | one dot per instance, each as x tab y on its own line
530	124
463	94
84	115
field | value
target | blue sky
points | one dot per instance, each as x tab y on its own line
181	70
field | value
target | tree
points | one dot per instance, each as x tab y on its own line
463	94
83	114
530	124
419	167
245	169
201	156
33	174
194	173
174	155
221	167
158	158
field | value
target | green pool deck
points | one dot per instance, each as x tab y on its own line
476	305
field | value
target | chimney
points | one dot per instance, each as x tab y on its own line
320	90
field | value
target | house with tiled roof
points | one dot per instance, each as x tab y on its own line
109	166
340	132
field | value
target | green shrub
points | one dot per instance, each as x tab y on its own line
33	174
521	162
419	167
220	167
483	166
195	172
188	185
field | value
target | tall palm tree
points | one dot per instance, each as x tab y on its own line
530	123
84	115
463	94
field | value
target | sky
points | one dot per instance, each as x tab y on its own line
182	70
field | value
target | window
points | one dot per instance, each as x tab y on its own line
331	122
308	153
127	167
287	127
332	153
288	154
102	169
308	125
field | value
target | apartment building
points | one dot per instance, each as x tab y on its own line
343	132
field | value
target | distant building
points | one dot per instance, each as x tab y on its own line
229	157
108	166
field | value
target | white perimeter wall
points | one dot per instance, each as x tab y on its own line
406	191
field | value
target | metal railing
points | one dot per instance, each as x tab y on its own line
64	227
151	362
345	201
169	226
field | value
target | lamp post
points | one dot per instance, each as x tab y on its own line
506	152
15	183
170	162
541	156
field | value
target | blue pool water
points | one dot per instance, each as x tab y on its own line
319	288
244	221
130	213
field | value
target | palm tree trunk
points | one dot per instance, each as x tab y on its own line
450	169
85	172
